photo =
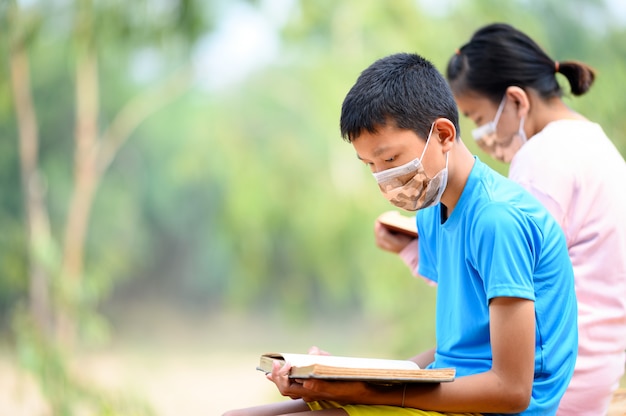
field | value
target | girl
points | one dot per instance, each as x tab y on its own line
503	81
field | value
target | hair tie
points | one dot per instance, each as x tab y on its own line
556	66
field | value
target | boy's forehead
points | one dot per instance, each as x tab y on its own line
376	151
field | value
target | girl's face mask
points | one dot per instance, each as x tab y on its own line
499	148
408	187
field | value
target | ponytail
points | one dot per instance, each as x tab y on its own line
579	75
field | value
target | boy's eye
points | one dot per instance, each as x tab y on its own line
372	166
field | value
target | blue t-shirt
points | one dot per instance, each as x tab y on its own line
500	241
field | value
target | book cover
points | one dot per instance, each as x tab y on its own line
377	370
399	223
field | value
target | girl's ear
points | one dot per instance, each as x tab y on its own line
522	102
446	133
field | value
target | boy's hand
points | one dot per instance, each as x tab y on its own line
315	390
286	386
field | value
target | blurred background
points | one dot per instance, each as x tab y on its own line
176	198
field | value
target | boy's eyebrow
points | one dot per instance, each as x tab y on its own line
380	151
376	152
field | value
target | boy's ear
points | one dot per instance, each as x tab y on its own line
446	132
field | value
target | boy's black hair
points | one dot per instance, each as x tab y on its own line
403	89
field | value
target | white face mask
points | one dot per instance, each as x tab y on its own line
408	187
498	148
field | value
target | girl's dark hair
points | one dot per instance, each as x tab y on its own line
403	89
498	56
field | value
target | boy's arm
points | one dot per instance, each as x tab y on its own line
506	388
424	358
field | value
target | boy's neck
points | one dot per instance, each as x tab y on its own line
459	168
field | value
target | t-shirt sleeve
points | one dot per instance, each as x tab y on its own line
503	251
427	257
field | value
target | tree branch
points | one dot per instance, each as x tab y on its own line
38	226
136	111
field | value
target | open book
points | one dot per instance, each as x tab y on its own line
378	370
399	223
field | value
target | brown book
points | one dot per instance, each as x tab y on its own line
399	223
375	370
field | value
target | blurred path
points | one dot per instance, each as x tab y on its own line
189	384
182	365
198	367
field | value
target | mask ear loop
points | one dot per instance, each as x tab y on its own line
446	168
490	127
496	119
521	131
432	126
447	153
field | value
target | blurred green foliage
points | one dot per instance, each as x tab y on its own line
69	392
245	198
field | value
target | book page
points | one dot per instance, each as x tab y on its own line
371	370
302	360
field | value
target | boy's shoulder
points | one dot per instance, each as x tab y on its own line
484	184
493	197
499	188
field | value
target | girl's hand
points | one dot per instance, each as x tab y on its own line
316	351
388	240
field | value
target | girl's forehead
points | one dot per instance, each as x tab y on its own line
471	105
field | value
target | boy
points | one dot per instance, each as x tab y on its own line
506	309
